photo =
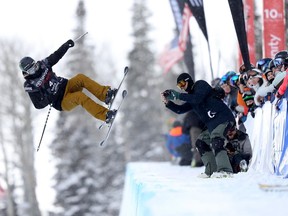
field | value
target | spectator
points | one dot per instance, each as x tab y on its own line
230	98
239	150
193	126
179	144
214	113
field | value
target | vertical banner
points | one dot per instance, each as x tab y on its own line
273	27
182	24
236	8
250	29
197	9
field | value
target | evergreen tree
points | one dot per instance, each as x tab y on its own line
74	145
17	135
143	108
89	179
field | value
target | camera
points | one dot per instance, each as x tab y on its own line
166	93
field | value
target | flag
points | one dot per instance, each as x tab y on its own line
249	15
171	55
177	7
184	34
196	7
236	8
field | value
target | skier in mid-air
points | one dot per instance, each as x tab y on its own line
46	88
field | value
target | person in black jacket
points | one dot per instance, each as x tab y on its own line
193	126
44	87
204	101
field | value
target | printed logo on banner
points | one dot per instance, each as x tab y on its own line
273	27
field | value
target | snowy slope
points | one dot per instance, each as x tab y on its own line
163	189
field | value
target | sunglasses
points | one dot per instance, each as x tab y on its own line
181	84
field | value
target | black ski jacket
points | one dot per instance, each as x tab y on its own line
44	87
203	100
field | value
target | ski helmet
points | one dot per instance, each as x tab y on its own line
255	72
182	79
234	80
27	65
282	54
226	78
263	64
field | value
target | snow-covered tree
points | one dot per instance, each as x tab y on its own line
143	108
89	179
17	132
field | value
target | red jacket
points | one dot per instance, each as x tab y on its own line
283	87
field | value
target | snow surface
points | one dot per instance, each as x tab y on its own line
163	189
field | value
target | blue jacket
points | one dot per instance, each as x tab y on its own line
202	100
176	138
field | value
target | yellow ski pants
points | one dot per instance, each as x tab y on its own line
74	96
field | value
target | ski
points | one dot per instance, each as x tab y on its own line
110	125
273	187
126	70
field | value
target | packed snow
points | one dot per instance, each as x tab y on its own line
164	189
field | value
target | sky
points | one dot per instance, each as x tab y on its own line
164	189
42	26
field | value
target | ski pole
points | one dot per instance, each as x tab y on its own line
44	127
80	37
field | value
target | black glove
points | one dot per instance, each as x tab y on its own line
171	94
70	43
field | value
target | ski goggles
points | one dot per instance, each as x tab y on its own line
233	80
181	84
278	62
32	70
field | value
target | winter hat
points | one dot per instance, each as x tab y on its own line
187	78
177	124
184	76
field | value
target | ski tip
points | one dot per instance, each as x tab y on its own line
101	143
126	69
124	93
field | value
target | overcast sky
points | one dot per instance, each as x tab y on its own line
46	24
43	25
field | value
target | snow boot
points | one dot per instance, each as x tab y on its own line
203	175
243	166
222	174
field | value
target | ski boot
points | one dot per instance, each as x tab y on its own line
110	96
110	115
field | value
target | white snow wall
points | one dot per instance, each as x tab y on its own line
269	140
